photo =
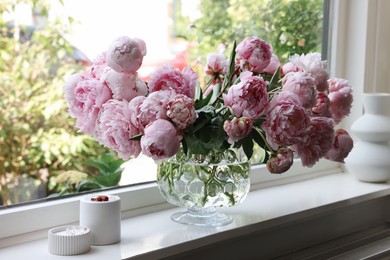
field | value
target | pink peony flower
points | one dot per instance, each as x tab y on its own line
248	98
124	86
216	64
160	140
126	54
342	145
318	142
85	96
313	64
302	85
98	66
340	96
273	65
154	107
71	84
181	110
280	161
115	129
192	79
287	122
168	78
253	54
322	106
237	128
135	108
287	68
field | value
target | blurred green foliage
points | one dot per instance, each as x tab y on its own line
108	174
290	26
36	131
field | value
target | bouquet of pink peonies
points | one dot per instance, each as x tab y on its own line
289	110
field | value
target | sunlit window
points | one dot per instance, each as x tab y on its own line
42	155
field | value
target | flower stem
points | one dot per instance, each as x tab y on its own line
266	143
226	85
208	83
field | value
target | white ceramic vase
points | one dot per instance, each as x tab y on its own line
369	160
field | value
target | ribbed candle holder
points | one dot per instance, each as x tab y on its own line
69	240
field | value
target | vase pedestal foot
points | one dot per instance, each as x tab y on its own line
211	219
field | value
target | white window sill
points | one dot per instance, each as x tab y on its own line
154	235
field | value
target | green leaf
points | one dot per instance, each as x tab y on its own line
258	138
87	185
203	102
103	167
206	139
107	158
109	180
198	126
231	67
184	145
207	110
205	115
247	145
217	121
266	156
215	94
116	165
106	164
232	58
136	137
198	92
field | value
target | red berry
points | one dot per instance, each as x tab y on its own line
100	198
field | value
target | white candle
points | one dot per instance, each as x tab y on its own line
103	218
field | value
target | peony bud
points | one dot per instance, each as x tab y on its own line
342	145
237	128
216	64
126	54
253	54
280	161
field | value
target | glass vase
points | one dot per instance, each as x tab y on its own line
204	183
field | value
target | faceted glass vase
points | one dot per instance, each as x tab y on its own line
202	184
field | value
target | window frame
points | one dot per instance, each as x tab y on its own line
29	222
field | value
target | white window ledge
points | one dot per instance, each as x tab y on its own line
279	219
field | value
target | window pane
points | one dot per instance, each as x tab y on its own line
41	152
